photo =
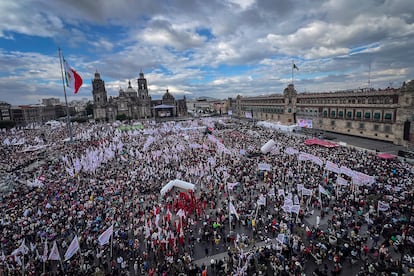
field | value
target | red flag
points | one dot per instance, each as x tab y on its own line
73	79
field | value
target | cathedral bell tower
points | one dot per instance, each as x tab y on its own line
144	100
100	97
142	86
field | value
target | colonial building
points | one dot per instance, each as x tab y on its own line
133	104
24	115
5	111
384	114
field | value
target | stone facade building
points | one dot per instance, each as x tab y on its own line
384	114
133	104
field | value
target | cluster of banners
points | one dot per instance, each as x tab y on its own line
358	178
54	254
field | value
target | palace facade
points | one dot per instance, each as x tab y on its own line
384	114
133	104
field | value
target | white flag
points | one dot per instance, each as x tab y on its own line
295	209
54	253
280	238
181	213
233	210
306	192
21	249
367	219
382	206
45	251
72	249
105	236
261	200
230	186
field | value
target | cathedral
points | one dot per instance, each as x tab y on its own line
133	104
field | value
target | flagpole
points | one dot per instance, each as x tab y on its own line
111	244
23	265
292	69
66	99
61	264
45	257
228	193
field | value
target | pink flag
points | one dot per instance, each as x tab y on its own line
72	249
105	236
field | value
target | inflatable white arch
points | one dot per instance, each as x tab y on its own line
177	183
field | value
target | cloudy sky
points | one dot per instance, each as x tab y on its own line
217	48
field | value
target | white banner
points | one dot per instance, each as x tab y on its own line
347	171
264	167
295	209
291	151
341	181
307	192
330	166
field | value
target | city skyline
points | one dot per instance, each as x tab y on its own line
218	49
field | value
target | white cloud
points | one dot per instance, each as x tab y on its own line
193	46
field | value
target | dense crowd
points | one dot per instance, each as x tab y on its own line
110	177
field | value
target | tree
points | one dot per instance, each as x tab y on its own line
7	124
121	117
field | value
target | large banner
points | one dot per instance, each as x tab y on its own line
306	123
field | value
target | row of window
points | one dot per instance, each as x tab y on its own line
275	110
359	115
356	100
361	126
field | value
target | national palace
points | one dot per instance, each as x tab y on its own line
384	114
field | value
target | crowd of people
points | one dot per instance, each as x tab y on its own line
70	195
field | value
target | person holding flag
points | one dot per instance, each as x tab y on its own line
73	248
106	235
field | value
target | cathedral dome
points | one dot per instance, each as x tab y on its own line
168	97
130	89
